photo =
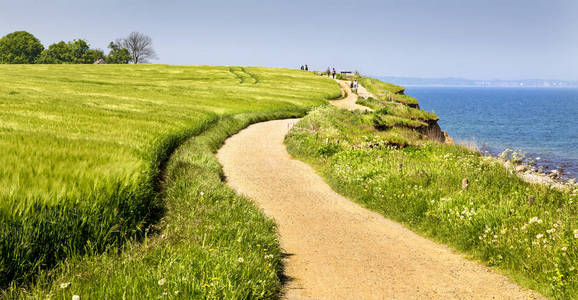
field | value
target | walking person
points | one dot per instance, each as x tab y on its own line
328	71
306	68
333	73
302	68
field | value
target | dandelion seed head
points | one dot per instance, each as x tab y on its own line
64	285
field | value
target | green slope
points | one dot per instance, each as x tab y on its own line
82	148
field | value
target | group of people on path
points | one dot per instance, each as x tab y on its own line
353	84
331	73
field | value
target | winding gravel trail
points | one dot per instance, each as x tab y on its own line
335	248
348	102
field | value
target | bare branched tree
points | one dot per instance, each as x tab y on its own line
140	47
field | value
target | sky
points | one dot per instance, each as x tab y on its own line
476	39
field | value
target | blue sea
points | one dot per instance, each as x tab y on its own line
543	122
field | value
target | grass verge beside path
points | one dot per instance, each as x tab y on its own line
211	244
420	185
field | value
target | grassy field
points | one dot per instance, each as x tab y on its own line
418	182
83	149
387	91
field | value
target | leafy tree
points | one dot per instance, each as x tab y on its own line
19	47
74	52
118	54
93	55
56	53
79	52
140	47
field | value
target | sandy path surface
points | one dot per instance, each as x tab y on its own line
337	249
349	101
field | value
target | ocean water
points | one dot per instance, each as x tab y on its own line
543	122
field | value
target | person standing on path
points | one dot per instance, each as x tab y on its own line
306	68
333	73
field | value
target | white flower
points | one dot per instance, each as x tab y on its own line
564	249
64	285
576	235
162	281
539	236
240	259
202	193
75	297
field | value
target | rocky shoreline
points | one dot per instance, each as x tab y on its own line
532	175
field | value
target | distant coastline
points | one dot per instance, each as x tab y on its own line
462	82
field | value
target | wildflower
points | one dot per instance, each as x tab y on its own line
551	230
206	285
202	193
211	249
539	236
162	281
64	285
534	220
75	297
576	235
214	278
564	249
240	259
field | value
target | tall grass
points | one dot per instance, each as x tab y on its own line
211	243
528	231
82	148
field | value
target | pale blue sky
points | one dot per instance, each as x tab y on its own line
481	39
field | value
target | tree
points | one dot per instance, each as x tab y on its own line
19	47
74	52
140	47
56	53
118	54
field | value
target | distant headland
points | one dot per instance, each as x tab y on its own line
463	82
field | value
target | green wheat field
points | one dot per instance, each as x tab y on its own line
86	178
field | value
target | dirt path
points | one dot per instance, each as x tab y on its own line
337	249
349	101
